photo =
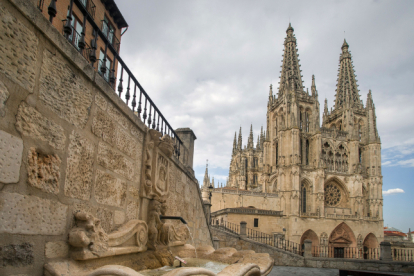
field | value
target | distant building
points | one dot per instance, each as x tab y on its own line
392	234
303	180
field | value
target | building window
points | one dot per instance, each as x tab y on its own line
107	65
307	152
76	31
256	222
307	122
255	179
277	153
301	150
360	155
108	30
300	120
256	162
303	201
332	195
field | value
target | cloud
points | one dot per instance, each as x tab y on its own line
406	163
386	163
207	65
393	191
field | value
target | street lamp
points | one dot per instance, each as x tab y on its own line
210	191
210	194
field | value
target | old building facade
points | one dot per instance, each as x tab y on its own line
326	179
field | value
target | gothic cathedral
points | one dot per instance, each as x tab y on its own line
323	183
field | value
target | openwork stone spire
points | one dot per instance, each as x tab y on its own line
290	78
239	144
346	88
250	140
235	142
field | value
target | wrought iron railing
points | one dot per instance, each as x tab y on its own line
141	104
227	226
274	241
90	7
75	39
260	237
40	4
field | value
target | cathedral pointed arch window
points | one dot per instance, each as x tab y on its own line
303	194
307	152
307	122
255	179
277	154
300	120
360	127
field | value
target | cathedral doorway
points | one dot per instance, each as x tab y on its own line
309	235
342	242
370	246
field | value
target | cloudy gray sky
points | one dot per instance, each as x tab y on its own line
208	66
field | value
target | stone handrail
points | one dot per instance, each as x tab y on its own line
243	192
402	254
326	251
248	211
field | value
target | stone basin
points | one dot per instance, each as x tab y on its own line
240	263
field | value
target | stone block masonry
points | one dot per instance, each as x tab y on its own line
68	143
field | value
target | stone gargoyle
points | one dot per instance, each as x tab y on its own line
90	241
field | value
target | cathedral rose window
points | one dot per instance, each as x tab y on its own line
332	194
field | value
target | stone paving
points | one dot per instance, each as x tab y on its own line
307	271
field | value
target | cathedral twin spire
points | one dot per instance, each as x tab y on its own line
290	78
347	93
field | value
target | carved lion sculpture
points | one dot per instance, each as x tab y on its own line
88	233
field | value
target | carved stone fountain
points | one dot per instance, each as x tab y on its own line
151	241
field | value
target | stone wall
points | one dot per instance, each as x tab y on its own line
283	258
67	143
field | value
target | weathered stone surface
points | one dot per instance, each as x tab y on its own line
43	171
79	167
119	217
29	122
104	127
117	116
64	91
114	161
109	189
18	50
11	148
106	218
4	95
125	143
133	192
58	249
24	214
137	134
132	209
101	101
17	255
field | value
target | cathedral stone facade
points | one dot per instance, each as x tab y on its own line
325	181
